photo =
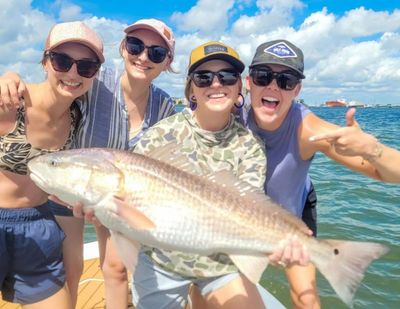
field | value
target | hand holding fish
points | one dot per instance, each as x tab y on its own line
289	252
78	211
11	89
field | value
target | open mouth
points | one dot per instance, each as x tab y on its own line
270	102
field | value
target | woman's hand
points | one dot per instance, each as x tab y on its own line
351	140
78	210
12	89
290	251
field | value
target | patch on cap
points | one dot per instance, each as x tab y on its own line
281	50
215	48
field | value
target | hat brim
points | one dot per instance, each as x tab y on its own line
263	63
237	64
83	42
151	28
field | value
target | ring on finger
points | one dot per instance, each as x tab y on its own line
283	264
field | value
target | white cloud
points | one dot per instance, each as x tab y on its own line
272	15
361	22
207	16
70	12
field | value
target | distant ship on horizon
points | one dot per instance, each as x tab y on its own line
336	103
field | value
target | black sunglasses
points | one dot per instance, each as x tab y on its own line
135	46
63	63
264	76
204	78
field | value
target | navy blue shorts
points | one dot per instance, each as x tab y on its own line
59	210
31	264
309	215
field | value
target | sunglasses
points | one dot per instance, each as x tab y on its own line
225	77
155	53
285	80
63	63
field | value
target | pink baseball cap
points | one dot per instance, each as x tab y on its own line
75	31
158	27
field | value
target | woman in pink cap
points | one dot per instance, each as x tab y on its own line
119	108
45	120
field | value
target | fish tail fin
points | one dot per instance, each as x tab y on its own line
349	261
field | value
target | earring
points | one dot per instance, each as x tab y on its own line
240	105
192	103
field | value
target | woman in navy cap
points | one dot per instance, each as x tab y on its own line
288	130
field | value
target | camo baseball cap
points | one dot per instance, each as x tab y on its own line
75	31
214	50
280	52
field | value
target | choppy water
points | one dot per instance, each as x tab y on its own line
353	207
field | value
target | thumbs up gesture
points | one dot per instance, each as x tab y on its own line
350	140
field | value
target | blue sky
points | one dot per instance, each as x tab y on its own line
352	48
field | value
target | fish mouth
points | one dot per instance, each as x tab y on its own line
39	181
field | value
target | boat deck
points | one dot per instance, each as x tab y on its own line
91	289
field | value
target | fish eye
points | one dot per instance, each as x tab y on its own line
53	163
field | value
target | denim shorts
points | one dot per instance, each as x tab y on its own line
31	264
154	287
59	210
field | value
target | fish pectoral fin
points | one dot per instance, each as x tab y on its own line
132	216
127	249
252	266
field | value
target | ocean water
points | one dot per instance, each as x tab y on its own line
353	207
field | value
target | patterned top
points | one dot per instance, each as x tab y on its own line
105	119
234	148
16	151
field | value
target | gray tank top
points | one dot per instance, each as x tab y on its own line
287	180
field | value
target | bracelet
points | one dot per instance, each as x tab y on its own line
376	154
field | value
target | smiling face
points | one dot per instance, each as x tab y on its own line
217	97
140	66
271	103
70	83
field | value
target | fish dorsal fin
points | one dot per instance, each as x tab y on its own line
172	154
252	266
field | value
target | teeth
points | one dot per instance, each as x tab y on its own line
270	99
216	95
72	84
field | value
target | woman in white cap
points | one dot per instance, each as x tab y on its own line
31	264
292	135
121	107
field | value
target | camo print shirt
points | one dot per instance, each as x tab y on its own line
16	151
234	148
